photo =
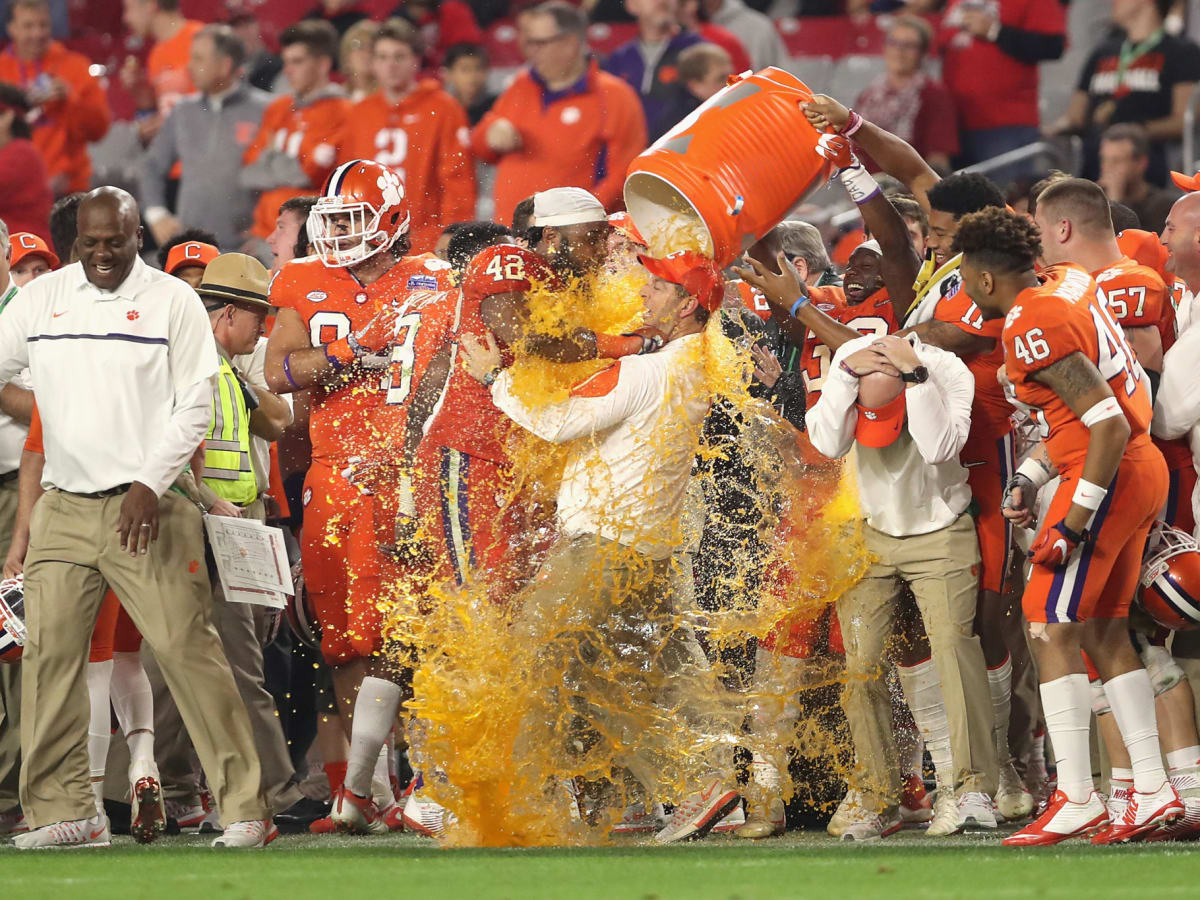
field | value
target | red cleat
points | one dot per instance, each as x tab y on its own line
322	826
915	805
149	817
1061	821
355	814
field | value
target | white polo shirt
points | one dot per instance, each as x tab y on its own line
1177	403
915	485
12	432
123	379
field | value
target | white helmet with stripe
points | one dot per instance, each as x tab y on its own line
1170	583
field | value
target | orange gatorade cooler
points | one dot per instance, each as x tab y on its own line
728	173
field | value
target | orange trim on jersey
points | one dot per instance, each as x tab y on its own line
601	384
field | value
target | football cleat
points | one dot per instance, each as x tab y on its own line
869	826
324	825
393	816
764	819
638	820
846	813
247	835
915	804
1013	799
1144	813
977	811
356	815
426	817
1061	821
946	818
186	815
735	819
1187	826
696	816
93	832
13	822
148	815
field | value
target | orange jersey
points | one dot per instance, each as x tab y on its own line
468	421
1134	294
990	410
873	316
332	303
753	299
423	139
1064	315
167	67
63	128
310	134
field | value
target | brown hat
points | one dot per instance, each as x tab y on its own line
236	278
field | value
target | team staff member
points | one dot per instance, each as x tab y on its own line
74	110
905	408
107	518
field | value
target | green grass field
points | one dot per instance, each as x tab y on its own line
798	865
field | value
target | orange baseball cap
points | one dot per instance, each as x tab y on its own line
1187	183
1144	248
190	253
880	426
25	243
694	272
623	222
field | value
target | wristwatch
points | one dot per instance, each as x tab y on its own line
918	375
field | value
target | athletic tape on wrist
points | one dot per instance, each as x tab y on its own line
1105	409
1089	495
859	184
1035	472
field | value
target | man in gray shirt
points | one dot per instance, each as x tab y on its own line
206	133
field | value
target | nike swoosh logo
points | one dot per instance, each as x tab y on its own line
95	834
56	315
971	465
1061	546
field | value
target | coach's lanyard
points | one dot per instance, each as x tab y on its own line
1131	52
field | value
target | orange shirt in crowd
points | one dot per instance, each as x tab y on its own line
583	136
167	67
422	139
63	129
309	132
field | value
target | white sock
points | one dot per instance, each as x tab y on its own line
1131	697
1067	705
764	773
1000	687
381	778
1186	758
1121	775
99	675
375	710
133	701
923	691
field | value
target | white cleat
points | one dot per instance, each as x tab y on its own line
946	818
1013	799
356	815
870	826
696	816
247	835
13	822
426	817
93	832
847	812
764	819
732	822
638	820
976	810
186	814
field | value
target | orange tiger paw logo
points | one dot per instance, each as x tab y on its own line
132	315
194	566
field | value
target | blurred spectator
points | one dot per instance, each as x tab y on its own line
25	195
755	30
418	131
465	74
648	63
31	257
990	51
62	225
906	101
694	15
72	108
301	133
263	68
187	254
442	23
207	133
289	238
562	122
354	60
341	14
1124	158
704	69
1141	75
917	220
167	64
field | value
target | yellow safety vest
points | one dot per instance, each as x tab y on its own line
227	466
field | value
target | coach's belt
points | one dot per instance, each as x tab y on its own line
111	492
9	476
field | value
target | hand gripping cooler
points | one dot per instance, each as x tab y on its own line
729	172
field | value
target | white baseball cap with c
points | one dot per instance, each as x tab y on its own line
566	206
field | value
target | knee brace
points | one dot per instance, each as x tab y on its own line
1160	665
1099	699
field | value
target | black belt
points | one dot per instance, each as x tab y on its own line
100	495
9	476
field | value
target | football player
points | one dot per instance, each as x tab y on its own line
1068	365
349	329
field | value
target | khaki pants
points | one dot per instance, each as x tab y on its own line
940	568
242	628
74	554
10	675
631	671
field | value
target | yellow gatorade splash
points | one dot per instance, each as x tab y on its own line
678	231
572	694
